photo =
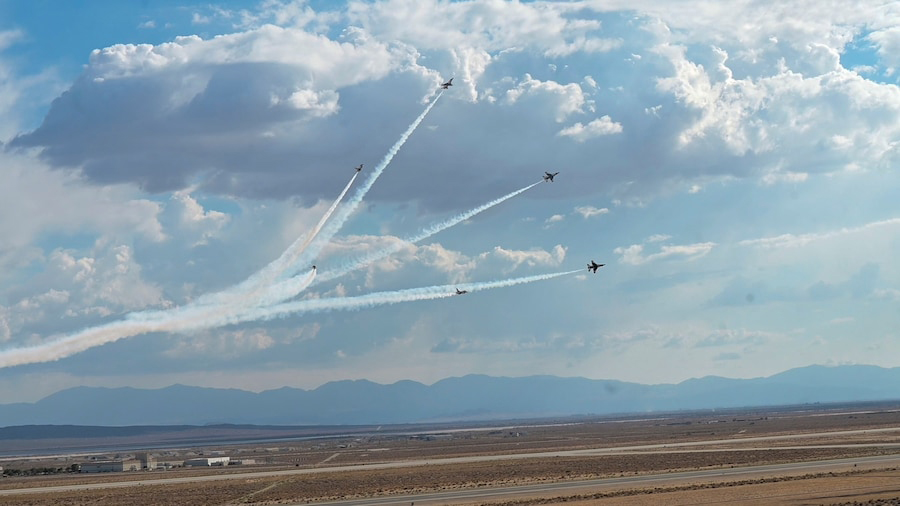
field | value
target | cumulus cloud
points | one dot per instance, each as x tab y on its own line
596	128
194	106
563	99
635	255
552	31
35	201
74	289
709	103
277	113
590	211
224	344
532	258
193	218
556	218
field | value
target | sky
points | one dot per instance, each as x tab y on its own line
164	167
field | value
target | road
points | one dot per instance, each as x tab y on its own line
618	450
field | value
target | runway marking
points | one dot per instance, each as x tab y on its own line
329	458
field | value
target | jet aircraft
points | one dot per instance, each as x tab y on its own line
359	168
593	266
549	177
461	292
447	84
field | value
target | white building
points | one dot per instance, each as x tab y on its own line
208	461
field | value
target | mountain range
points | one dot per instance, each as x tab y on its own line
467	398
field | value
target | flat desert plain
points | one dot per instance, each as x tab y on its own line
817	454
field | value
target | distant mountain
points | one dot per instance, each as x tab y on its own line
473	397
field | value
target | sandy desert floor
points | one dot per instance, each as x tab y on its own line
403	468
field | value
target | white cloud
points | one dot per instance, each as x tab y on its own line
200	19
35	200
596	128
73	289
635	255
556	218
590	211
563	99
886	293
785	177
194	219
21	96
271	116
551	30
794	241
755	114
221	343
531	258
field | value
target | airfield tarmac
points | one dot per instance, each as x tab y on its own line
810	455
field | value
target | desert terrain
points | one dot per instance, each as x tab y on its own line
815	454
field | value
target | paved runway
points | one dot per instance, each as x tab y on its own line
734	443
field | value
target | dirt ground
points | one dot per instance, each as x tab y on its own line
841	488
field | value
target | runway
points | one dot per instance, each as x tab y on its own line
736	443
570	488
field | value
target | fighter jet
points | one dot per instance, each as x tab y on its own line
461	292
447	84
359	168
593	266
549	177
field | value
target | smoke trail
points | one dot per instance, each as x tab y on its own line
293	286
250	289
424	234
173	320
285	289
293	259
195	318
211	310
290	255
347	209
383	298
289	259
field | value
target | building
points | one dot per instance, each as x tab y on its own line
168	464
146	460
110	466
208	461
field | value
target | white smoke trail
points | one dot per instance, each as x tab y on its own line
383	298
249	290
424	234
288	288
196	318
173	320
347	209
290	255
290	261
211	310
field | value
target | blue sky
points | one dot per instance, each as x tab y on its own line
738	179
